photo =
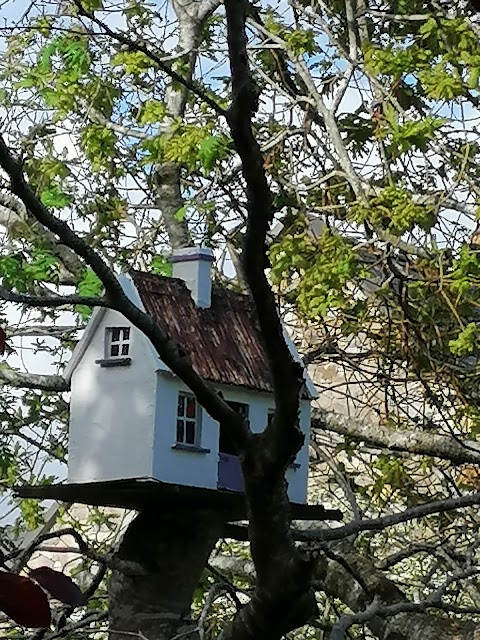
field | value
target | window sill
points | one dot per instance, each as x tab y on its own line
114	362
179	446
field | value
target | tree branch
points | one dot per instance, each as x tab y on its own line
283	598
416	442
161	64
287	374
406	620
41	382
40	330
51	300
378	524
15	218
353	579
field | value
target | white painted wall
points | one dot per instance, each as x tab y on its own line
112	411
260	403
172	465
201	469
298	478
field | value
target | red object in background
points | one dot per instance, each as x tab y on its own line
3	335
24	601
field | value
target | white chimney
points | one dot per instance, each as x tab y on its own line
194	265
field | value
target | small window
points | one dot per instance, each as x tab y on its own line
188	413
240	408
117	343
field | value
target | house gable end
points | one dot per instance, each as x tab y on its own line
95	322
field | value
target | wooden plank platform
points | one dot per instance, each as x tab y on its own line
139	494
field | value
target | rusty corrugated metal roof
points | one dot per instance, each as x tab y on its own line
223	342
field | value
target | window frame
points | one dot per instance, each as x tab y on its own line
196	444
270	414
122	342
244	406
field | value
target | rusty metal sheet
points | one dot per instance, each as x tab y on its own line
223	342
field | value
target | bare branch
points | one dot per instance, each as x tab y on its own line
416	442
41	330
358	584
43	382
51	300
378	524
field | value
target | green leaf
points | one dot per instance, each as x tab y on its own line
89	284
53	196
13	273
161	266
466	342
301	41
43	266
135	63
180	214
25	83
213	149
99	144
151	112
32	512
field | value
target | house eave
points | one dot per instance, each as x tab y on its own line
83	343
309	387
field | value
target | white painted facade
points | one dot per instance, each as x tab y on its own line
123	419
112	410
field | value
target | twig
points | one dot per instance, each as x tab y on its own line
51	301
377	524
160	62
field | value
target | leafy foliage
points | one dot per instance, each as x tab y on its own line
394	210
320	269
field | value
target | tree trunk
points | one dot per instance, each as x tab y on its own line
172	548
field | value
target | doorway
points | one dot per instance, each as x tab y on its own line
229	468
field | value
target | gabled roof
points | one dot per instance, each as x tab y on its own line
223	342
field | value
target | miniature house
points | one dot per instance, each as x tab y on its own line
131	418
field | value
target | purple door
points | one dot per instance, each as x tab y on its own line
229	472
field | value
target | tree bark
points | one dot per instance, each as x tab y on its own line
166	181
167	195
437	445
172	548
342	584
